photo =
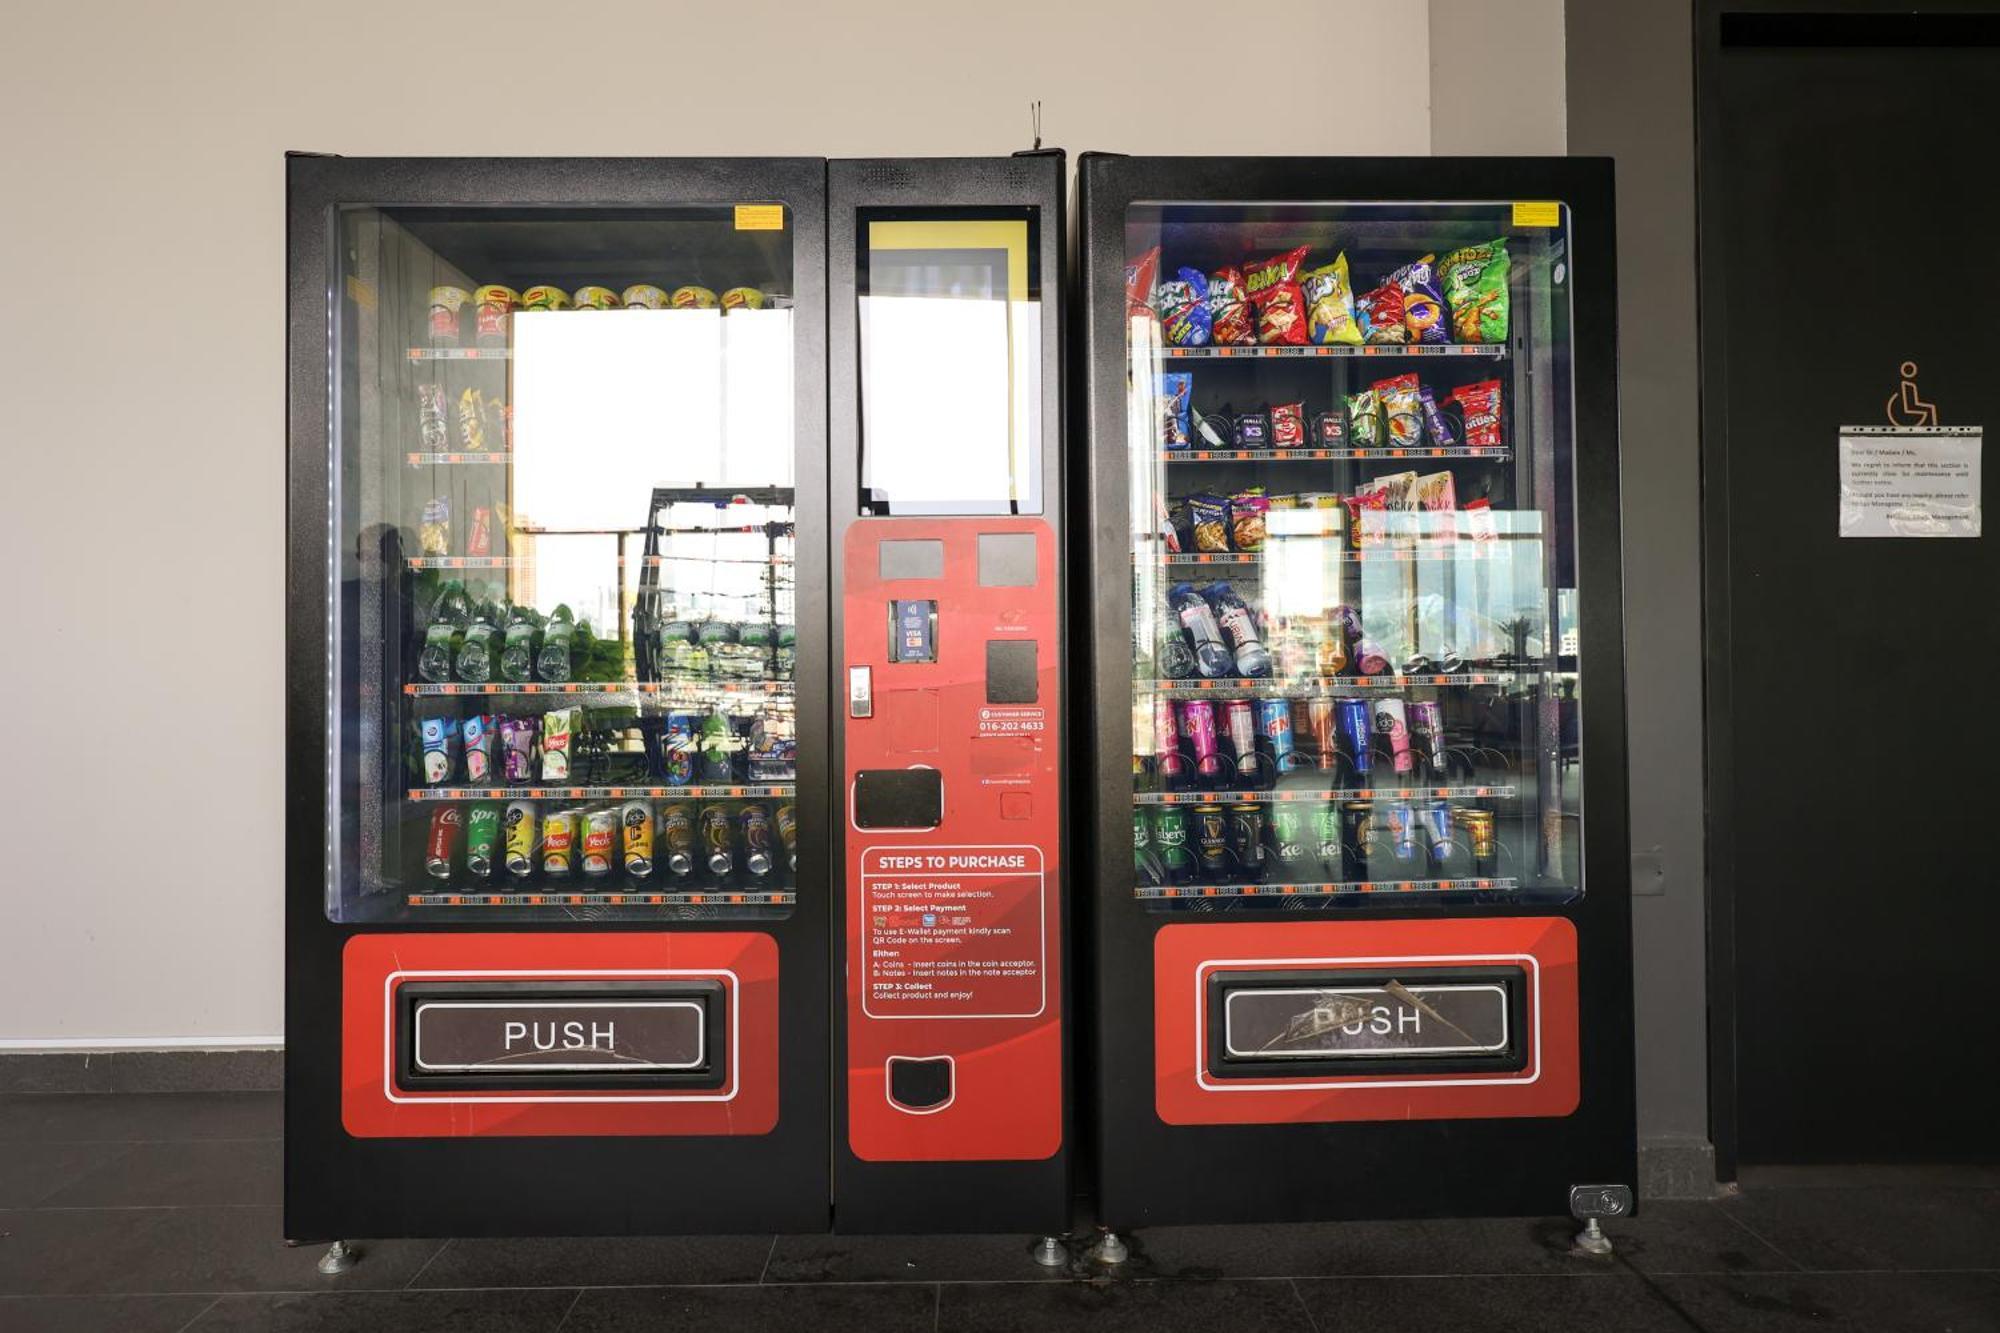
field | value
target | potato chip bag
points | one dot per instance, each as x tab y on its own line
1183	306
1139	277
1402	409
1380	315
1364	420
1176	406
1272	285
1247	524
1208	520
1330	304
1475	286
1231	321
1423	304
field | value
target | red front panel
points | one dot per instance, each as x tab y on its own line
744	964
1187	957
954	953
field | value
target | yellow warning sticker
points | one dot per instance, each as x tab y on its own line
760	217
1527	214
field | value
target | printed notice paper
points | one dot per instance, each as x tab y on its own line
1909	482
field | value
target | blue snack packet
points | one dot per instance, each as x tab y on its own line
1176	409
1185	320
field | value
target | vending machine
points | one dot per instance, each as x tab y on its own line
571	877
1353	767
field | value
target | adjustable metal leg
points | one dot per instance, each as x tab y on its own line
1050	1252
1109	1250
339	1257
1591	1240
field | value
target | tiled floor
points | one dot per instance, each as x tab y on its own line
158	1211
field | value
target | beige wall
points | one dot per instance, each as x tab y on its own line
142	350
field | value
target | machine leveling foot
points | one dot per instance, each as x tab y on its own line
1591	1240
1109	1250
1588	1203
339	1257
1050	1252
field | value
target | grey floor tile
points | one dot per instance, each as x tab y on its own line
143	1071
30	1173
1270	1306
1692	1238
1618	1301
77	1251
904	1259
880	1308
96	1314
172	1175
1873	1227
1900	1175
1360	1249
597	1261
382	1311
1863	1302
84	1117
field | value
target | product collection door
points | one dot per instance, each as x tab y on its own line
1356	766
557	913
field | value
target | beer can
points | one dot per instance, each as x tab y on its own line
1427	735
1239	723
1358	819
1402	830
1274	735
1211	842
756	822
636	819
1392	724
446	823
1436	817
1197	717
545	298
676	837
595	298
1293	841
447	314
1246	840
1356	732
493	308
1145	862
600	842
559	842
718	840
482	837
1170	843
1171	763
643	296
1325	819
787	819
520	828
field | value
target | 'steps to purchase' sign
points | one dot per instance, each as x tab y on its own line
954	932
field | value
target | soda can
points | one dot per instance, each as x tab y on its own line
493	308
1274	735
1170	843
446	824
595	298
787	819
1211	842
1356	731
676	836
1239	723
678	749
482	839
479	748
1402	830
1292	841
1325	821
447	314
440	741
520	828
1478	826
600	842
1170	762
1393	725
1436	816
559	842
1246	841
433	418
636	820
1427	735
545	298
643	296
1197	717
756	822
718	841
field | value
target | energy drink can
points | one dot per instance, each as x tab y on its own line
545	298
559	842
1197	729
636	821
677	749
493	308
600	842
1325	820
1246	841
1211	842
482	838
1436	816
1274	735
1239	723
756	822
1291	841
787	820
1393	725
1356	730
447	314
718	841
1427	736
440	741
479	748
520	828
1402	830
1170	844
676	830
446	824
1168	760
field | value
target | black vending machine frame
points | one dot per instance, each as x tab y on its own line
955	1196
337	1185
1153	1173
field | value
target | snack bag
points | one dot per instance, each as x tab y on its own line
1214	429
1364	420
1272	285
1288	426
1253	430
1330	304
1139	277
434	531
1329	430
1208	517
471	421
1247	524
481	540
1380	315
1436	425
1365	512
1402	409
1479	407
1231	321
1183	305
1436	493
1423	304
1479	524
1170	537
1176	394
1475	286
